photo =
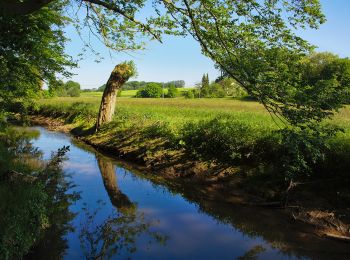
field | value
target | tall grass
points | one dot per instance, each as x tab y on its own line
225	131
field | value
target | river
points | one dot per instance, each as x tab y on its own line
121	214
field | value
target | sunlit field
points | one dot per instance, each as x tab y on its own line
177	111
174	110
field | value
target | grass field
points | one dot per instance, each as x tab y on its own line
177	111
225	130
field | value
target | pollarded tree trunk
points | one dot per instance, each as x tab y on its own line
121	73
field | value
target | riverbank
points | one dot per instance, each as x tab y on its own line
168	162
192	224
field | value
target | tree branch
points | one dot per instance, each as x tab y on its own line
130	18
22	8
204	45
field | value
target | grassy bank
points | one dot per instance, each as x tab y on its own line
229	149
180	110
230	134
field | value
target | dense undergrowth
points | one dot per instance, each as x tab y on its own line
33	199
228	139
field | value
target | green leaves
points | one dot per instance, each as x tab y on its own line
31	51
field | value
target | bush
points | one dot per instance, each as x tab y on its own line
73	92
61	89
151	90
172	92
189	94
221	139
217	91
232	87
213	90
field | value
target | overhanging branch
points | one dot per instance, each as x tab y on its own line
114	8
22	8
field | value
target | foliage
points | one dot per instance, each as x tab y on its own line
299	152
116	234
102	88
221	139
31	51
135	85
151	90
125	70
189	94
34	201
73	88
61	89
232	88
176	83
328	79
172	92
205	83
265	55
224	131
253	42
213	90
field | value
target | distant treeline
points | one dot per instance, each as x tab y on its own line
136	85
64	89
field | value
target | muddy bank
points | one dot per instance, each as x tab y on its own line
207	183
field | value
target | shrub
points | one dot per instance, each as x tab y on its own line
220	139
189	94
217	91
151	90
61	89
213	90
172	92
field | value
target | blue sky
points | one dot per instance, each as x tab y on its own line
180	58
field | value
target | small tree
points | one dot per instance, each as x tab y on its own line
189	94
57	88
151	90
121	73
72	88
216	91
205	85
172	92
232	87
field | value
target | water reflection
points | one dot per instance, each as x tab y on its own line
253	253
118	198
117	234
59	187
122	222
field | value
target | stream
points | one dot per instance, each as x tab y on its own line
123	215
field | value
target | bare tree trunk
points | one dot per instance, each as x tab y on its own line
120	74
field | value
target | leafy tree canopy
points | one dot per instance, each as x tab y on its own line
252	41
31	51
61	89
151	90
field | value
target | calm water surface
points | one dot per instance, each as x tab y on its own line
121	215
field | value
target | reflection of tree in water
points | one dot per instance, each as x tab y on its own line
119	231
118	199
52	245
253	253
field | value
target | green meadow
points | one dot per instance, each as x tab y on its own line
177	111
